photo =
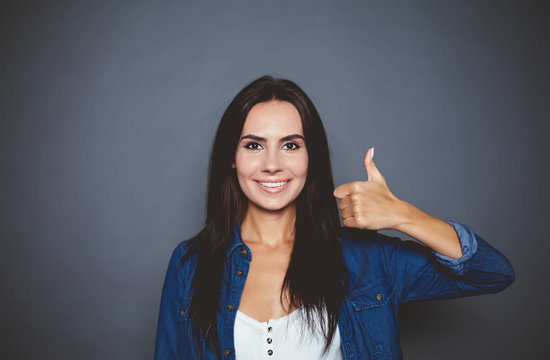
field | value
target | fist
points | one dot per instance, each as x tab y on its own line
369	204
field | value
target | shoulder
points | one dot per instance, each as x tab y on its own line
366	244
367	255
185	247
184	257
371	246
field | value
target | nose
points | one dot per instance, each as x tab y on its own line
272	161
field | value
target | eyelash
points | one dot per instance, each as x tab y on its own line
296	146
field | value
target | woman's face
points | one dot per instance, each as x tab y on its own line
271	158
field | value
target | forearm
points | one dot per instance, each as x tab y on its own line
429	230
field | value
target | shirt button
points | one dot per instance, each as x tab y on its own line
269	352
378	296
269	340
239	272
269	328
230	307
227	352
243	251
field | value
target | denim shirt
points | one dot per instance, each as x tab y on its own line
383	273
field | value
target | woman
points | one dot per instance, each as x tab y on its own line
272	274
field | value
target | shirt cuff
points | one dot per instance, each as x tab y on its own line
468	243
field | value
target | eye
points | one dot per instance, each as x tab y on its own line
292	146
252	146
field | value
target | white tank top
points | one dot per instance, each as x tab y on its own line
285	338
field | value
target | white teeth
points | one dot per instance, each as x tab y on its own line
273	185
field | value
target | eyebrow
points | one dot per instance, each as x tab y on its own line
286	138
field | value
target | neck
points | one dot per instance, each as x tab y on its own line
271	229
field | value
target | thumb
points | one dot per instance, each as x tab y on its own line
372	171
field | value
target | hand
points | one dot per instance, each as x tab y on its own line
369	204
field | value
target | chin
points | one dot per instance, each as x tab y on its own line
273	207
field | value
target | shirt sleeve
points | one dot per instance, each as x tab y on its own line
167	328
468	243
423	274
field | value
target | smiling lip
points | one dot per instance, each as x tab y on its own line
274	190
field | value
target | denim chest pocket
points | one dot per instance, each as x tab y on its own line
377	316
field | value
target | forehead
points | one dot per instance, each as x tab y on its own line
273	118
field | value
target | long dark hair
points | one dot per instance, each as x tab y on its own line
314	274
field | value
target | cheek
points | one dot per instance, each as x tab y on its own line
299	167
245	165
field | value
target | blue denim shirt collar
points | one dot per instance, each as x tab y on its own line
236	240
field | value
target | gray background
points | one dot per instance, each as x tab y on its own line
108	110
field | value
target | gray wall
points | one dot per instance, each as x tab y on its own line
108	111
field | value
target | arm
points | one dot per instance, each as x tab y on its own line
453	262
421	273
166	342
433	232
371	205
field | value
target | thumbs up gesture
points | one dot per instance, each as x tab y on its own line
369	204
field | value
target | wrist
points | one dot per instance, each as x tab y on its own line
405	216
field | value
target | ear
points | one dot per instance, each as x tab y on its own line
233	166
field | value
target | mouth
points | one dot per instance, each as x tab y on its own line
273	187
